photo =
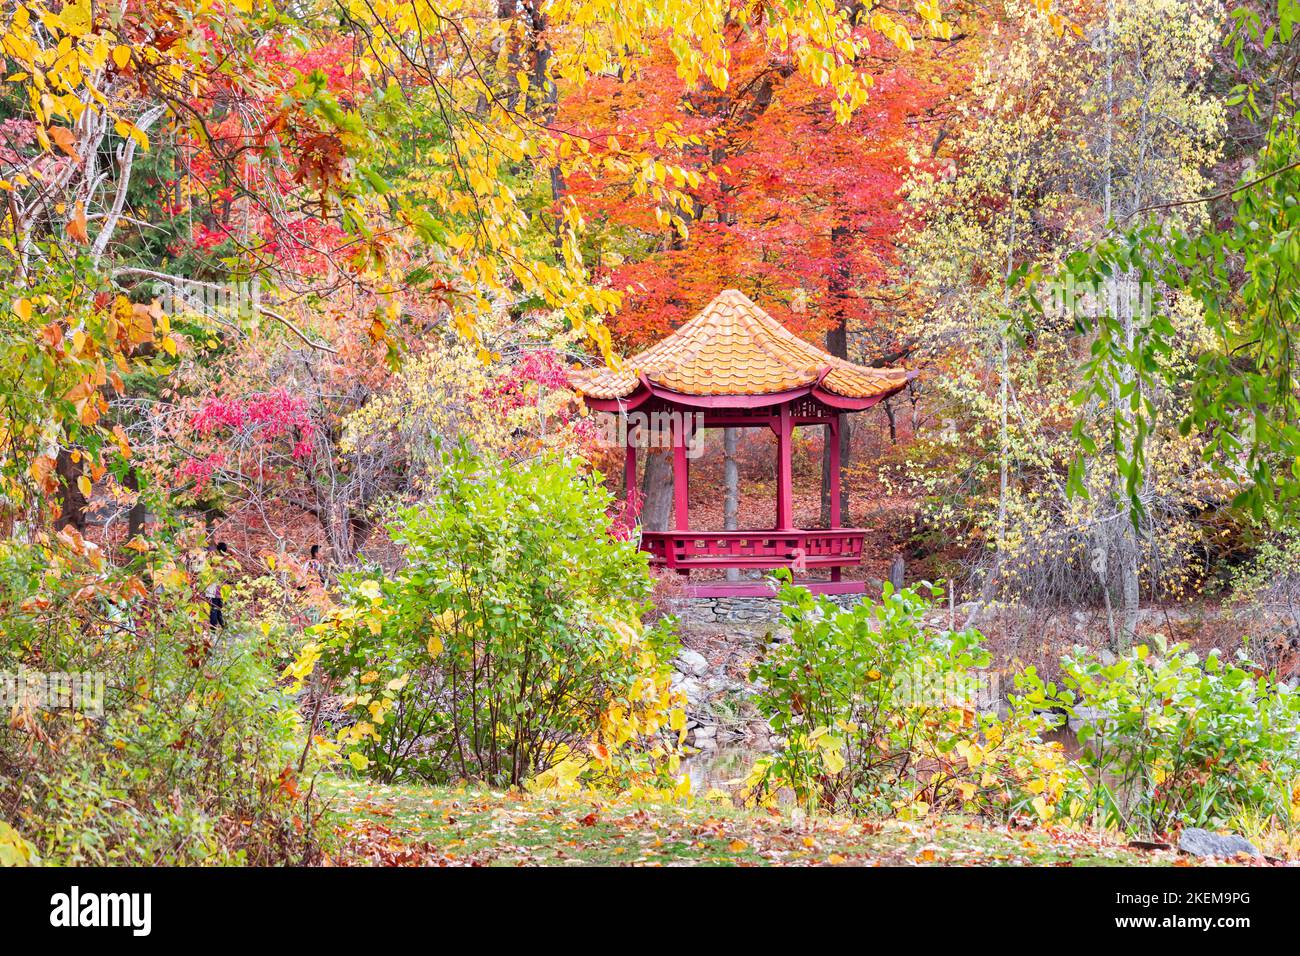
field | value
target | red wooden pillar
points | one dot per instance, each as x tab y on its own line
833	436
681	472
784	470
629	473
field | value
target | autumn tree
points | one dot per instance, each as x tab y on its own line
793	201
1082	117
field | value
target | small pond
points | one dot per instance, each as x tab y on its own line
722	769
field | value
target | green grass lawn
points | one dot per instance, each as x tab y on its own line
437	826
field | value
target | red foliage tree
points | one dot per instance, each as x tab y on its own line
795	208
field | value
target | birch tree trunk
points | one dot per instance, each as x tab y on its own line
1124	573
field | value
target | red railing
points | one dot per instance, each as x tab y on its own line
754	549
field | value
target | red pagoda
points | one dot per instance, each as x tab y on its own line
734	366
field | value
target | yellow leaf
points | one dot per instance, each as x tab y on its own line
738	846
973	753
833	761
84	485
358	761
125	129
122	56
435	645
75	18
14	850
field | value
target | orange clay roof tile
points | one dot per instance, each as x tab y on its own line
735	348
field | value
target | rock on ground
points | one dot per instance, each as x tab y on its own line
1200	842
692	662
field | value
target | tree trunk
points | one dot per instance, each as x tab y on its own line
897	573
543	103
1129	584
135	518
1125	545
1125	540
731	488
837	343
657	485
72	503
846	431
508	11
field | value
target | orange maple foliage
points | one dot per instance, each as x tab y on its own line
795	209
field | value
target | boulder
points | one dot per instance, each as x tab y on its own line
1082	717
1200	842
692	662
692	689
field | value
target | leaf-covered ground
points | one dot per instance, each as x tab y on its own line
422	826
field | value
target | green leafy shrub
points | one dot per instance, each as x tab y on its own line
1168	739
881	715
190	760
509	645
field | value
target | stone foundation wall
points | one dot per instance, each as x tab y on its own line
747	613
